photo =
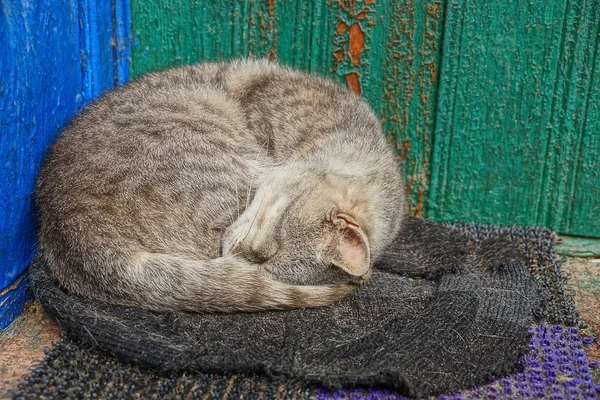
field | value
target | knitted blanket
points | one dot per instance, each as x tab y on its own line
449	308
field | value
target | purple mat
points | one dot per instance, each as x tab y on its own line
555	368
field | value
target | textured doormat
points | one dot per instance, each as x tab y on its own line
555	368
454	307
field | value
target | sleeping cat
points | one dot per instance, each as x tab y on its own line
237	186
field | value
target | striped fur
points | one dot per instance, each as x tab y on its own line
236	186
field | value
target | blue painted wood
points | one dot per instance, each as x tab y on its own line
12	300
96	47
56	57
122	13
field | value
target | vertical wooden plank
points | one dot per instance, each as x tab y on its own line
576	154
481	153
156	38
12	299
262	32
56	57
583	215
173	32
355	35
515	80
409	75
389	52
40	89
96	46
121	40
304	35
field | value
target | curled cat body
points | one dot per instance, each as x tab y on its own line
220	187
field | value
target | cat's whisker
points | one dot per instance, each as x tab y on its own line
248	195
251	182
237	199
255	216
266	152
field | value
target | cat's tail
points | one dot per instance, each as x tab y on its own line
226	284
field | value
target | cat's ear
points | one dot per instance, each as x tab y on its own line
350	246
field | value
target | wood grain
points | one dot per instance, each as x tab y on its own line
516	131
56	57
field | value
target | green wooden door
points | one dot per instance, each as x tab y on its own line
518	119
494	106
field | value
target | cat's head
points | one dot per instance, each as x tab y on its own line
300	230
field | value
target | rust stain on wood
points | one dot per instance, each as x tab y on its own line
363	14
351	53
353	82
418	211
271	11
338	57
356	44
341	28
404	149
409	89
348	7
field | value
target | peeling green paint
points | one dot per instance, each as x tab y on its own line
410	78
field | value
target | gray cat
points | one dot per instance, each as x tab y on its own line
237	186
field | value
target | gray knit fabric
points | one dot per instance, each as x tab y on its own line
446	311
